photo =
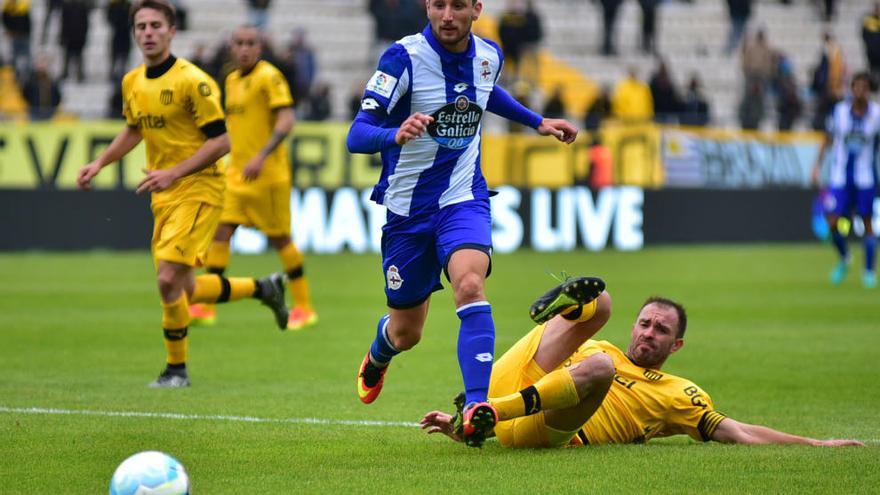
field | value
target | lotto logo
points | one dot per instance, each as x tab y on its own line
484	357
369	104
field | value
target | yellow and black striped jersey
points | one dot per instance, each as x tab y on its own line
251	102
172	106
644	403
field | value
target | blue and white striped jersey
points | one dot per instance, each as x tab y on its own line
442	167
854	149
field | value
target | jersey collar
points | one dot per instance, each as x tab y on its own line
250	71
445	54
157	71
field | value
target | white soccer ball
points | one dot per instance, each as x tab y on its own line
150	473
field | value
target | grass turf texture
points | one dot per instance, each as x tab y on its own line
768	339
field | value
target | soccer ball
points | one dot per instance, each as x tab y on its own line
150	473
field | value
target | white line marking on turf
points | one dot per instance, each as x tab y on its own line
210	417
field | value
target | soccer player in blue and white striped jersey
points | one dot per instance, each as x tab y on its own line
853	136
423	110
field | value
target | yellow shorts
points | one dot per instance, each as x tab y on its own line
182	232
514	371
265	207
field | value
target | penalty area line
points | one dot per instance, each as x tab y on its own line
206	417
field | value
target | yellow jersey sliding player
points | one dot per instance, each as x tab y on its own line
594	393
260	116
175	108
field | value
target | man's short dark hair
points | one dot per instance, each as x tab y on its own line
679	310
164	6
867	77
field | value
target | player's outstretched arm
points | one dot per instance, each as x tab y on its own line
731	431
124	142
439	422
561	129
284	120
210	151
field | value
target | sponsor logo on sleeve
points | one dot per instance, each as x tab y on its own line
369	104
382	84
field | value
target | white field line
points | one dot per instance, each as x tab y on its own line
218	417
209	417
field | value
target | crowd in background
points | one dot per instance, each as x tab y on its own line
770	95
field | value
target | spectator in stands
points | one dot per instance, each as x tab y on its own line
695	109
120	44
521	92
599	110
17	22
649	25
74	33
788	103
320	106
114	104
667	102
740	11
532	37
759	61
751	108
354	99
610	9
305	64
390	20
41	91
828	80
827	10
871	38
258	13
199	58
512	34
52	6
554	107
632	101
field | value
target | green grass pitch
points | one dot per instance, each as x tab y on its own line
768	339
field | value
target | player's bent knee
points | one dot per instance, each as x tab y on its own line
596	370
469	289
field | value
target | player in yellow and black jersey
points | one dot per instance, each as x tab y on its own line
557	387
259	116
175	108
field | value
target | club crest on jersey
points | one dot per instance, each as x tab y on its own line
204	89
456	124
166	96
485	70
382	84
395	281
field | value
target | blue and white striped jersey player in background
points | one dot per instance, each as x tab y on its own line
422	109
853	134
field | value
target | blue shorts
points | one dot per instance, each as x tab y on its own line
843	200
415	249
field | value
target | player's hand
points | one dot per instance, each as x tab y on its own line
439	422
839	443
412	128
253	168
86	174
157	180
559	128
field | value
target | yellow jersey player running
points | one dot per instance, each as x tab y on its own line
557	387
175	108
259	112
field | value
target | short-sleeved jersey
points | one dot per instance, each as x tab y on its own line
643	403
442	167
854	148
251	100
169	111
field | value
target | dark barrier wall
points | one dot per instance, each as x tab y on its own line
71	220
698	215
120	219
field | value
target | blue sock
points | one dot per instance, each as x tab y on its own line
839	242
870	250
476	347
382	349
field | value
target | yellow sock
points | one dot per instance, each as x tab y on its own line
211	288
175	320
556	390
292	261
587	311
